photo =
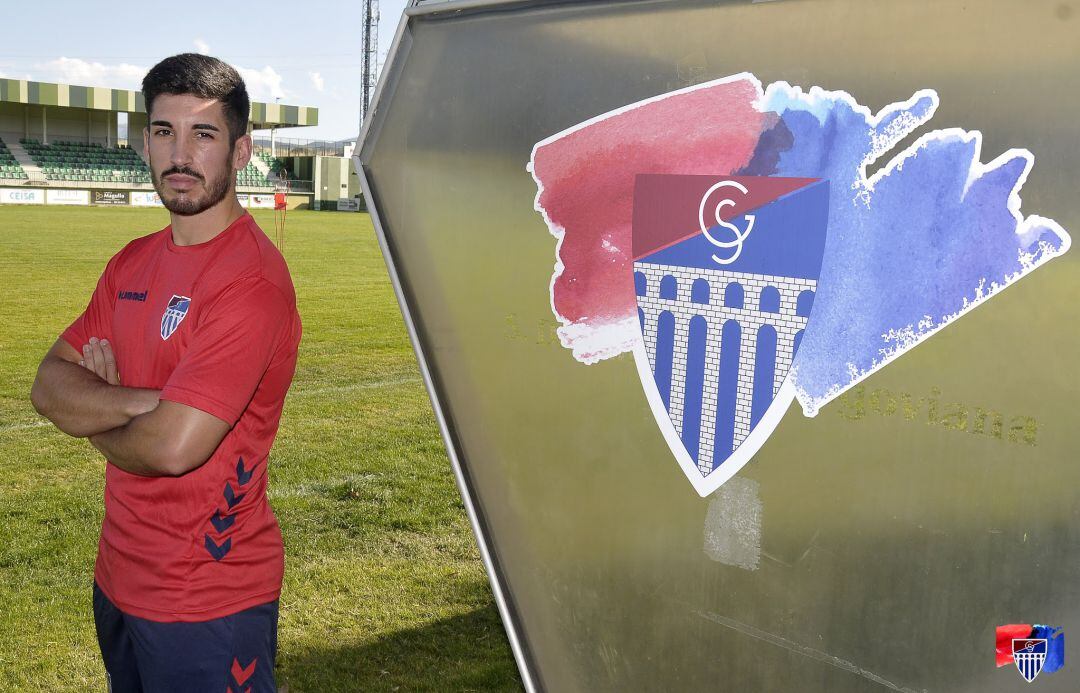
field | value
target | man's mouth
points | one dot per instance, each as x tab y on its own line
181	181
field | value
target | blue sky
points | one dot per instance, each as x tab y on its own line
308	53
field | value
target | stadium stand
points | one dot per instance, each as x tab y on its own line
76	162
9	167
273	163
252	177
75	136
81	162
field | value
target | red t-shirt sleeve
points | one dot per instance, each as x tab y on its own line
96	320
231	349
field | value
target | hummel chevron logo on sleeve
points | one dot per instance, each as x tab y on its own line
222	522
218	552
241	475
230	496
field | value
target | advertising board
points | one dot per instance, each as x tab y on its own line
111	197
17	196
143	198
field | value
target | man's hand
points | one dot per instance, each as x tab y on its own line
131	427
98	358
82	403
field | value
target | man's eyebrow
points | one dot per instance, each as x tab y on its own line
196	126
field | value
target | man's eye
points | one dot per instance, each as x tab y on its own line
162	132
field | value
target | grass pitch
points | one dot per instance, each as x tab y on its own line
384	589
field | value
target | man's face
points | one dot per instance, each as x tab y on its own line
192	163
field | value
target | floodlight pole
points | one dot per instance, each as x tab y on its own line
371	44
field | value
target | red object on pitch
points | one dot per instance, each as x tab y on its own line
1005	636
279	201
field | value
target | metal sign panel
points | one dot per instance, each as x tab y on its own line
884	527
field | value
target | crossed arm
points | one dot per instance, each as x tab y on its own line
132	427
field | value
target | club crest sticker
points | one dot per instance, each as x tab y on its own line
751	245
174	314
722	309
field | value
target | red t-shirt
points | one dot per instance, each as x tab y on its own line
213	326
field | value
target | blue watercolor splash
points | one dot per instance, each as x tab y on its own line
1055	646
929	236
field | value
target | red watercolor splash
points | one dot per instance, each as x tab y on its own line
1005	635
587	184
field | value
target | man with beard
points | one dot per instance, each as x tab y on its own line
177	373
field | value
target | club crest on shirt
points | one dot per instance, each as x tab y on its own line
174	314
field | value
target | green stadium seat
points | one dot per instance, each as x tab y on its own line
9	165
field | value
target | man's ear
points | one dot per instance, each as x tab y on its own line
146	142
242	152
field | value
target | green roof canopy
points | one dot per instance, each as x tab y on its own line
263	115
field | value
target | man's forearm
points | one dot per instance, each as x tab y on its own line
80	403
136	447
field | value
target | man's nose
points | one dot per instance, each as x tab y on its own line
181	152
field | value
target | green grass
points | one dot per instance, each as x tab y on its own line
384	588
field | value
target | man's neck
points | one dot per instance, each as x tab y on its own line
202	227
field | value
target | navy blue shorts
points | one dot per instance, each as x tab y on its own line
233	654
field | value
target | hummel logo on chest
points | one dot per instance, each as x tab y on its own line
132	295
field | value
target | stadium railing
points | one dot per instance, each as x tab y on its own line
284	146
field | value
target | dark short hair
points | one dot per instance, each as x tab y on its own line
204	77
